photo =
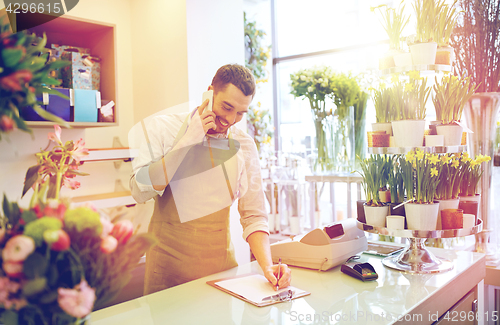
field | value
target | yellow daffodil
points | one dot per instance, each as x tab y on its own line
414	74
455	163
394	78
465	156
445	159
419	154
409	87
473	163
434	171
410	156
434	159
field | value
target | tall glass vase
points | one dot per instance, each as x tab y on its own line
480	114
343	158
360	129
323	158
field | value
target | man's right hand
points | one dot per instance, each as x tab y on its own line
207	117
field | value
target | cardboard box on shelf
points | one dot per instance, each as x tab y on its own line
82	77
85	105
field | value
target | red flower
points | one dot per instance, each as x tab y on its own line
7	123
15	80
54	208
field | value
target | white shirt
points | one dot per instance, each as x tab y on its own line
162	131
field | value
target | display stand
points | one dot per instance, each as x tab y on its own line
416	258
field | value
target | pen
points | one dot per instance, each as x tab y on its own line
279	276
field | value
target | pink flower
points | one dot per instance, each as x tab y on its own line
18	248
71	184
7	123
79	150
56	136
123	230
107	227
77	302
13	269
8	287
109	244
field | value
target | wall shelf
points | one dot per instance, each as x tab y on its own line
418	67
110	154
404	150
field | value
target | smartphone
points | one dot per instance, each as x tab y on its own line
210	95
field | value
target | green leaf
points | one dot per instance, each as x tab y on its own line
52	275
11	57
10	317
48	297
30	178
76	172
50	117
35	286
28	216
35	266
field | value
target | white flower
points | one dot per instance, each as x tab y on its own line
303	77
310	89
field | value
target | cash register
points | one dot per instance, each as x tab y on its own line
322	248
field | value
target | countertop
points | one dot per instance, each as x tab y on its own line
335	297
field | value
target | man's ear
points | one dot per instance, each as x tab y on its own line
210	87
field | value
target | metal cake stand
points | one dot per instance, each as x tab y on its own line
415	258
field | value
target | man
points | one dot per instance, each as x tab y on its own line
195	165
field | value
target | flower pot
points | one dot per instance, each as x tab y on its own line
408	133
421	216
403	60
470	207
395	222
452	219
384	196
445	55
370	137
387	60
452	134
375	216
432	127
386	126
380	140
423	53
476	198
446	204
434	140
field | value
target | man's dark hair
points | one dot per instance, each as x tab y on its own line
240	76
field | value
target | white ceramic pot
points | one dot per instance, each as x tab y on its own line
375	216
445	204
408	133
403	60
387	127
434	140
423	53
395	222
452	134
476	198
421	216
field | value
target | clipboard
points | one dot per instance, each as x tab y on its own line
253	287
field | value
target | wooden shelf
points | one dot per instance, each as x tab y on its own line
106	200
99	37
110	154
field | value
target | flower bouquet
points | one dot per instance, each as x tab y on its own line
24	74
316	85
60	262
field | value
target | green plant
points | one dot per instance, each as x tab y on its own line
450	97
374	171
257	55
393	21
420	176
383	104
359	125
446	20
450	176
24	74
395	180
471	173
409	99
426	12
259	121
476	39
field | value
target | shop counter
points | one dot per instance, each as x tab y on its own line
395	297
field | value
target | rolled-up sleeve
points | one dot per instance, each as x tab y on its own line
251	205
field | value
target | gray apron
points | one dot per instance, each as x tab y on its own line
190	250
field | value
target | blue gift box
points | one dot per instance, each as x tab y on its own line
60	106
29	114
85	105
